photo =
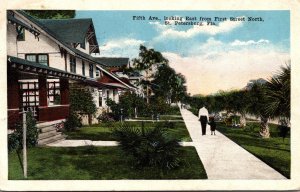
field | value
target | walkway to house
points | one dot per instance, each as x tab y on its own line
78	143
224	159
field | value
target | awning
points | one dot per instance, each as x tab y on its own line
39	69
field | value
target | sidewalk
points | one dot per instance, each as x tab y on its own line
224	159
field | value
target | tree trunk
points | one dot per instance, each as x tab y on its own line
135	112
90	119
264	127
147	94
147	88
243	121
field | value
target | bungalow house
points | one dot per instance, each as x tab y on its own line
45	58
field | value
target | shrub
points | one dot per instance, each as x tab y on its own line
15	139
168	124
105	117
148	147
283	131
72	122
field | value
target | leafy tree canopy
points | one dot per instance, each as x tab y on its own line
148	57
51	14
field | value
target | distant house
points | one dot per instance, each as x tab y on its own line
44	59
118	65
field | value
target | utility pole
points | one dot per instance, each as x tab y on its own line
24	145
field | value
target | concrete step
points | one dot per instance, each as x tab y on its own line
48	134
49	123
49	128
53	139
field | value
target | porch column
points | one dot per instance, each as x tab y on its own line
13	95
13	99
64	92
43	91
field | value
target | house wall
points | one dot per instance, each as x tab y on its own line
11	40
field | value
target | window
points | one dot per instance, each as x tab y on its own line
83	68
100	98
82	45
38	58
98	73
72	64
53	93
91	70
43	59
20	33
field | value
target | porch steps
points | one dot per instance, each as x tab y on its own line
48	133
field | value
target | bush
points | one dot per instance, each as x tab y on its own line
72	122
168	124
283	131
105	117
15	139
148	147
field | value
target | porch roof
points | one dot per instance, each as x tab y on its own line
36	68
97	84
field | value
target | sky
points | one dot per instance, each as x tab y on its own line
223	56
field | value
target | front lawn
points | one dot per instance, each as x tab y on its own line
97	163
103	131
272	151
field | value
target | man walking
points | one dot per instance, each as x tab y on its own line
203	117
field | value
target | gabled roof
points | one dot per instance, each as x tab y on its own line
72	30
13	20
113	61
53	29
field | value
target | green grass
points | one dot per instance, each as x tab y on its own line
102	132
97	163
273	151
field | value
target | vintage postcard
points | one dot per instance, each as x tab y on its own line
149	96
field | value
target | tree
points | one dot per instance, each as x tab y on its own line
169	84
51	14
147	58
278	91
257	103
81	101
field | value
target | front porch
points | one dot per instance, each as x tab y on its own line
37	88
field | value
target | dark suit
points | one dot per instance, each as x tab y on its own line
203	121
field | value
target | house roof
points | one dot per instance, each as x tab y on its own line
14	20
70	30
32	67
113	61
73	30
53	28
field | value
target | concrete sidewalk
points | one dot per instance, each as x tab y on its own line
224	159
78	143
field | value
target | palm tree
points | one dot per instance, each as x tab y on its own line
240	104
257	103
278	90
